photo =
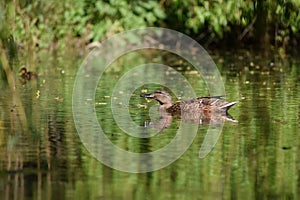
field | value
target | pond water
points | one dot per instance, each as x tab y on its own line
43	157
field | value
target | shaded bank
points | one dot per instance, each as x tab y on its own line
53	24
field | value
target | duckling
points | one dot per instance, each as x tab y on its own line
200	104
26	74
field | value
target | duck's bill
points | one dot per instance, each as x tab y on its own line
147	95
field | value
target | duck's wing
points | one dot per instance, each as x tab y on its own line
216	102
228	105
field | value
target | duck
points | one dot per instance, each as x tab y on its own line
202	105
26	74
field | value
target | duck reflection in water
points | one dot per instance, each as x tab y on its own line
200	110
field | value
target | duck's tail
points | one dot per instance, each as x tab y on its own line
227	106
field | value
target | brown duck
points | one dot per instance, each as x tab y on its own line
214	104
26	75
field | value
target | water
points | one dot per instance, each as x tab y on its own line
42	156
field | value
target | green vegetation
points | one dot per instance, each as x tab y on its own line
55	24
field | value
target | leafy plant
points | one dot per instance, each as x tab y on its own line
53	24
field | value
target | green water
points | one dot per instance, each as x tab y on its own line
42	156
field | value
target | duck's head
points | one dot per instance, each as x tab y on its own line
161	96
23	71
